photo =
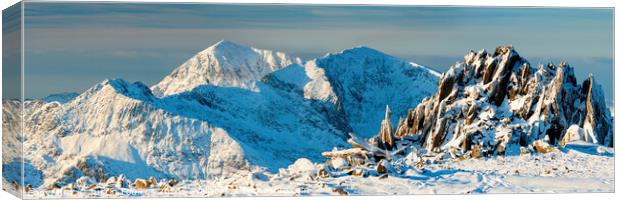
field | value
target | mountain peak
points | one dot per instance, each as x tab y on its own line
225	42
227	46
136	90
361	51
223	64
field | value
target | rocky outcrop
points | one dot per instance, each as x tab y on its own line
490	104
386	133
497	103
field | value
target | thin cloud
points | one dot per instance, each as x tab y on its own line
125	39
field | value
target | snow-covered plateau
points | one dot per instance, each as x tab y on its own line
241	121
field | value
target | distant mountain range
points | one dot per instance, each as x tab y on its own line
228	108
232	108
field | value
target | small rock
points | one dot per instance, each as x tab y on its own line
340	191
542	146
141	184
173	183
323	173
383	176
356	172
475	151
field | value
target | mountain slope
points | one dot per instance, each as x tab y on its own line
223	64
359	82
118	127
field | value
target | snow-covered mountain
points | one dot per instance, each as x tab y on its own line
10	130
229	108
118	127
359	82
223	64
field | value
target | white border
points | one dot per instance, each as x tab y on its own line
521	3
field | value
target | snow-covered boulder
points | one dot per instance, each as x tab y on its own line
303	169
85	181
576	133
302	165
339	163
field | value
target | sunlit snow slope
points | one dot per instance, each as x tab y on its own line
230	108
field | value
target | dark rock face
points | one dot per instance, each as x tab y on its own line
500	103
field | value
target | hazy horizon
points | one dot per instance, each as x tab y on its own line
71	47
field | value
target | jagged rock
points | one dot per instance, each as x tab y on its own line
121	182
598	119
386	133
508	60
403	128
495	104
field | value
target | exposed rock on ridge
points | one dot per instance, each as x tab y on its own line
497	102
490	104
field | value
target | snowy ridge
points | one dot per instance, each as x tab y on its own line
118	128
359	82
11	130
61	97
223	64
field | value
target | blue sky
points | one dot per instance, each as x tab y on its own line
70	47
11	51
